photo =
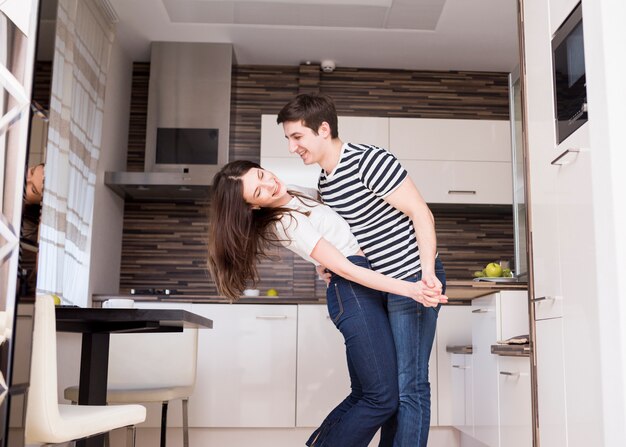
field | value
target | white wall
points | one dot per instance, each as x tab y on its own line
605	37
108	218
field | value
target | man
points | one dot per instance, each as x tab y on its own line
369	188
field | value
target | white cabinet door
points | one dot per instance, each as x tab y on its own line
485	332
470	400
454	328
515	402
551	383
276	158
153	410
457	391
513	313
292	171
246	367
322	380
462	181
581	320
450	139
364	130
273	141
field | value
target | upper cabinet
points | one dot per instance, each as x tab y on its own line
364	130
451	140
450	161
455	161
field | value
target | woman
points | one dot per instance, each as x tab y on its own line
252	210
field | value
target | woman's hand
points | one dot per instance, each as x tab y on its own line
428	296
323	274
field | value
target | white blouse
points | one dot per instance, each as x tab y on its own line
301	233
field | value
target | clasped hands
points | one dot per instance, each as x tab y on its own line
428	292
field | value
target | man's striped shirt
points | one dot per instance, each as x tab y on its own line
356	189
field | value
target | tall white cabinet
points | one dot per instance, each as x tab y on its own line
562	227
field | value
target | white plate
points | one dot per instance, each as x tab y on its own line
497	279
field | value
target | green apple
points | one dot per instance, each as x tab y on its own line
479	274
493	270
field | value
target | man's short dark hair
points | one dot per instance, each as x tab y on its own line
312	109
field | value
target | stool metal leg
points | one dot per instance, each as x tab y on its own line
131	433
185	423
163	422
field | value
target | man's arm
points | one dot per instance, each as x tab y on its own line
408	199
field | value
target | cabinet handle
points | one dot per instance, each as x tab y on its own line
558	161
459	366
462	191
271	317
480	311
513	374
545	298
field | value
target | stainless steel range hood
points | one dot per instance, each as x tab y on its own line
158	185
189	89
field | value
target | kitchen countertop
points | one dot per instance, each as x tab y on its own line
463	349
458	291
511	350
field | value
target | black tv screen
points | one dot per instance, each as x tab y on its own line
186	146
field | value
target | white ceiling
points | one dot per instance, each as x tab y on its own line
403	34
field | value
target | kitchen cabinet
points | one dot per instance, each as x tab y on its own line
462	181
564	250
551	383
498	316
454	328
364	130
450	139
322	377
451	161
455	161
462	411
515	414
153	409
485	332
246	367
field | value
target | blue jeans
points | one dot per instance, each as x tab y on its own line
413	327
359	313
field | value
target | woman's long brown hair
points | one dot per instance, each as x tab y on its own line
238	234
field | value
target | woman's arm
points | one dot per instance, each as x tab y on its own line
327	255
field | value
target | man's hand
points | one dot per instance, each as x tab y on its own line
427	296
431	281
323	274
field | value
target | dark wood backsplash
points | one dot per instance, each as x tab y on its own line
164	244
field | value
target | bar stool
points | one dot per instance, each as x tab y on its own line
47	421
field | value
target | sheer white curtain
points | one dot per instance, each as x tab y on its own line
82	48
